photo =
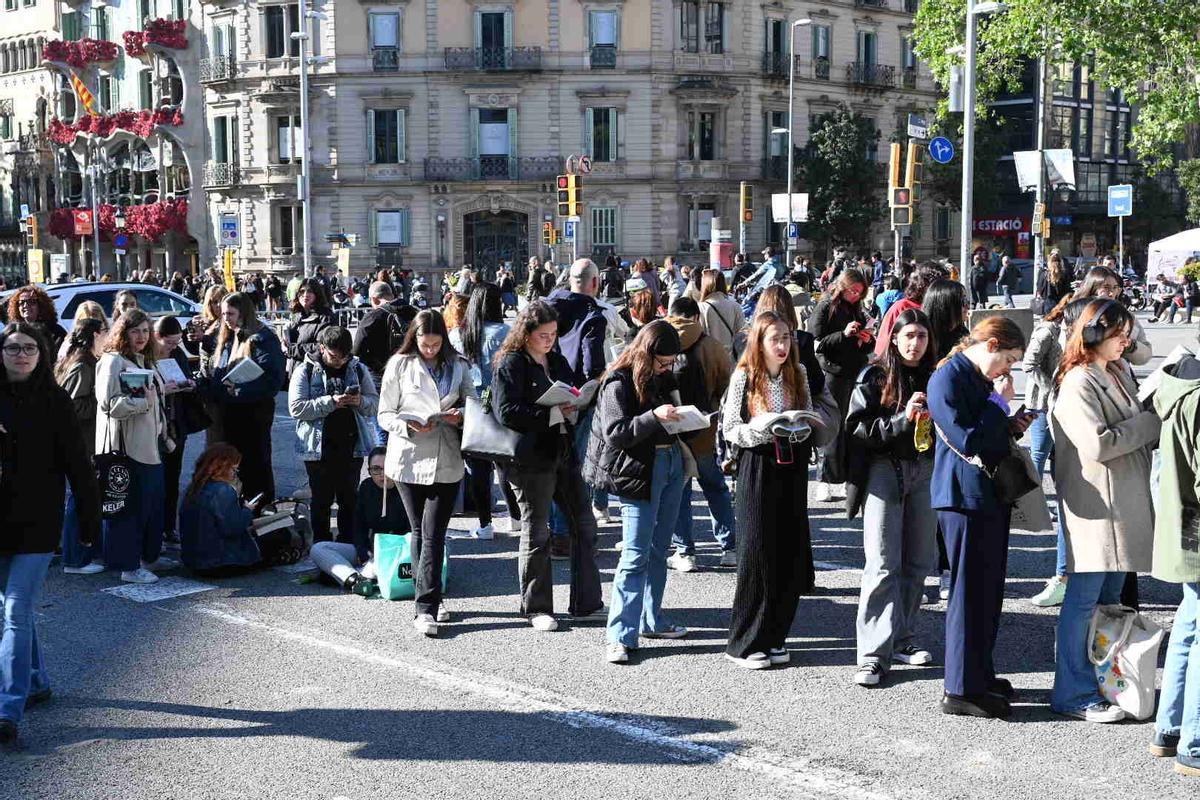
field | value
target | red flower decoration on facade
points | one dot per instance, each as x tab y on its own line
140	123
149	221
81	53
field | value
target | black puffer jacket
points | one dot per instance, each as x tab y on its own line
879	432
517	384
838	353
620	456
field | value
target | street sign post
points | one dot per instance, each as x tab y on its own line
1120	205
918	128
941	150
231	230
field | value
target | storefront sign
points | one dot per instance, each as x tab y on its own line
1002	226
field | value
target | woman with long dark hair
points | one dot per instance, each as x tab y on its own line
425	458
546	468
843	346
41	449
183	414
32	305
310	314
1103	284
891	487
76	374
1054	283
774	548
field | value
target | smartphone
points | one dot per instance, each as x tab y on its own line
1020	410
256	499
353	391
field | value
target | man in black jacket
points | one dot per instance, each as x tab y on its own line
541	280
380	333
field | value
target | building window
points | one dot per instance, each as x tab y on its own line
100	27
66	98
280	22
145	12
700	223
604	226
385	29
6	126
288	230
602	28
1117	134
223	140
702	136
702	25
868	49
820	42
10	5
941	223
289	140
107	84
908	55
385	135
146	88
392	228
600	134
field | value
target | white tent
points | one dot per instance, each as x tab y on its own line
1169	254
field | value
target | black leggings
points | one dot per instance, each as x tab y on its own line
248	428
479	484
429	508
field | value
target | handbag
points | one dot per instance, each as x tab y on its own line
114	475
394	567
1123	648
484	436
1030	512
1012	478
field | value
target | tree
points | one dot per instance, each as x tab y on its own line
943	182
1149	49
845	193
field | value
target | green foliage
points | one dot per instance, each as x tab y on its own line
1188	173
1149	49
845	190
943	182
1190	271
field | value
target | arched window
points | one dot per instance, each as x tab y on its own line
4	59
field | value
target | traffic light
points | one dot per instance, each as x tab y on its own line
570	196
894	166
747	202
577	195
547	233
555	237
913	170
32	222
901	215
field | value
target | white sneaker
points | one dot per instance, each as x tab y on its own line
944	585
602	516
485	533
86	569
729	558
616	653
620	545
543	622
681	562
1052	594
778	656
669	632
1102	712
913	655
869	674
426	624
443	614
752	661
162	563
824	495
141	575
837	491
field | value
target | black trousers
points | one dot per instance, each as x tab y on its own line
172	469
333	479
774	549
479	485
429	509
248	428
831	468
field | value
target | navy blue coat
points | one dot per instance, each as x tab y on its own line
214	529
959	405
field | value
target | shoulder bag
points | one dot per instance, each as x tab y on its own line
114	474
483	435
1012	478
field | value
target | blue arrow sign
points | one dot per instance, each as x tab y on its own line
121	240
941	149
1120	200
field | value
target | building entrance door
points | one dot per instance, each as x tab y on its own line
490	240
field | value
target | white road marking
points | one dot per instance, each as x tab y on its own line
164	589
797	774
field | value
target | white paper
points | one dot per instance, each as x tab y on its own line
169	371
784	421
243	371
690	419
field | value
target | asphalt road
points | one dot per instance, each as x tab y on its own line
265	686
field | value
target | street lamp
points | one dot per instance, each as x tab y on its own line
302	181
974	10
791	127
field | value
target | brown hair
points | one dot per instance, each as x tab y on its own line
639	359
711	282
850	276
46	313
641	306
754	364
778	299
1109	316
210	310
90	309
1006	333
118	337
212	462
1056	313
248	316
428	323
1054	268
532	317
455	312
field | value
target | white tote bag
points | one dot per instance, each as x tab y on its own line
1123	647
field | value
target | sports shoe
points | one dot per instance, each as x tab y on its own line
443	614
944	585
162	563
824	493
616	653
1163	745
869	674
560	548
426	624
86	569
598	615
779	655
1102	712
140	575
669	632
602	515
543	622
916	656
1187	765
729	558
1052	594
37	698
682	562
484	532
752	661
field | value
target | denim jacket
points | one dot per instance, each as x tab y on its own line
214	529
494	334
310	401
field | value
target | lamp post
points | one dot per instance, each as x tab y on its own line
791	154
302	180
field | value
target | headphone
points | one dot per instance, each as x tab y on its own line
1093	333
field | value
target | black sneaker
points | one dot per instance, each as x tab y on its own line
1002	687
869	674
36	698
911	654
1164	745
985	705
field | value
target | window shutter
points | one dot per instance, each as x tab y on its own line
405	228
589	122
474	133
617	29
401	133
512	142
371	29
373	227
508	27
370	136
591	40
619	130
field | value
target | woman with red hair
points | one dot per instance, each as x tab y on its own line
31	304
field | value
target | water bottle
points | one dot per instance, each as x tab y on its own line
923	433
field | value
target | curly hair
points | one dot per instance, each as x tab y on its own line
46	314
118	337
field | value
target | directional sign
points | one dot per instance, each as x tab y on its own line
1120	200
585	165
569	230
941	150
231	231
121	240
918	128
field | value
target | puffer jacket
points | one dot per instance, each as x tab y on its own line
519	382
310	401
620	454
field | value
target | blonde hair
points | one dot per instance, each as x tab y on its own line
90	309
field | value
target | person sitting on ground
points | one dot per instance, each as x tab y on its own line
379	509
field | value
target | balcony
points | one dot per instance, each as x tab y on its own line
604	56
908	78
221	174
881	4
494	59
774	168
492	168
775	65
385	59
874	75
220	68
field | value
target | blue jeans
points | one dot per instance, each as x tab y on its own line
22	670
646	528
1075	685
74	554
1040	443
720	505
137	534
599	497
1179	703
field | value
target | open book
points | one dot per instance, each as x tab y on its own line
690	419
243	371
421	410
784	423
272	522
561	393
169	371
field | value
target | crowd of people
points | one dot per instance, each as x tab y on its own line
627	386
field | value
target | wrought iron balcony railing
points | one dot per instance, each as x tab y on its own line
604	56
863	74
494	59
774	168
492	168
220	68
218	173
385	59
870	3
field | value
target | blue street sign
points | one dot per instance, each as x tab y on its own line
24	211
121	240
941	149
1120	200
569	230
1062	221
793	231
231	230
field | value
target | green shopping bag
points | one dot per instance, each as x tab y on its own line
393	562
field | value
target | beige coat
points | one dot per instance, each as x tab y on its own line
421	458
1102	444
136	423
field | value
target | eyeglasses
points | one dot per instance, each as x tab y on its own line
27	301
374	470
20	349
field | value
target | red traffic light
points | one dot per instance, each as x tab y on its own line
901	196
563	182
